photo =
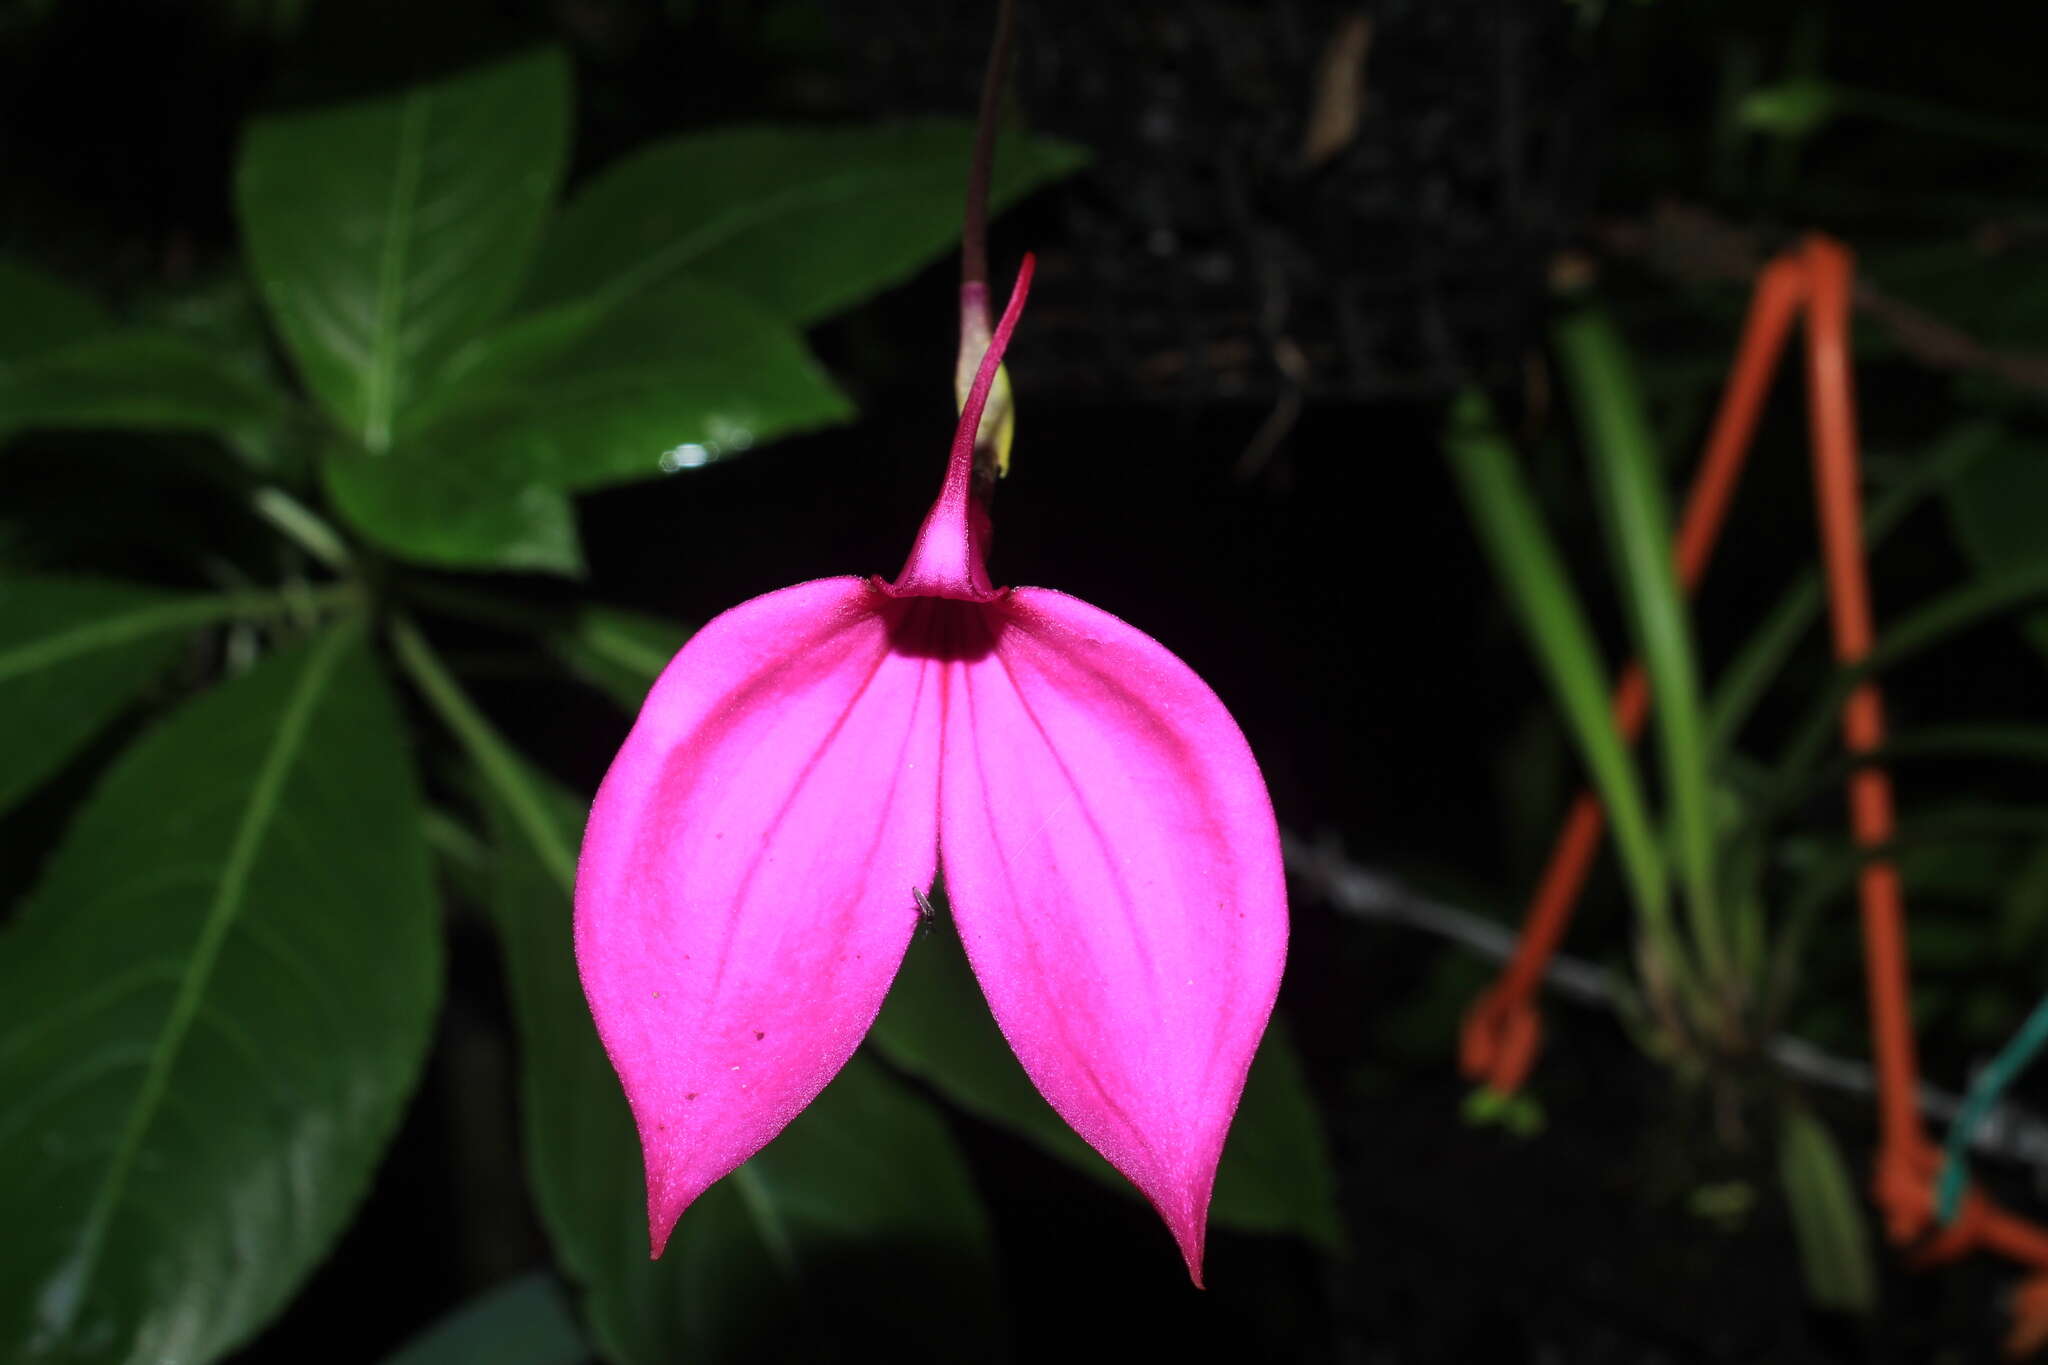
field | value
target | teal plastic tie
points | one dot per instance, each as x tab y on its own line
1984	1093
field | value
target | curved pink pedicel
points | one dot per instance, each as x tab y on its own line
1114	868
949	556
744	895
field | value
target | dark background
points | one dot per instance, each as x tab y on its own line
1231	379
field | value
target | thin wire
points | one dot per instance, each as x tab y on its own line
1983	1095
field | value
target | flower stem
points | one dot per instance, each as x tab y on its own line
974	232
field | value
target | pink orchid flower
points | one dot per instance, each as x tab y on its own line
812	758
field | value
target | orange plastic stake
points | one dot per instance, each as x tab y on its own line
1903	1151
1501	1029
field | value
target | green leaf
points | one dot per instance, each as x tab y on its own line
1612	414
448	507
799	1254
1918	631
1997	509
221	313
1798	108
73	653
521	1322
591	394
805	221
39	312
137	379
212	1011
2023	908
1275	1174
386	232
1834	1244
1525	561
1762	657
618	652
858	1224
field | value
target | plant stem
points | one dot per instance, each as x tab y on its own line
500	765
303	527
974	228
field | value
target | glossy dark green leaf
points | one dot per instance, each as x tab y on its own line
73	653
804	220
1275	1175
859	1224
590	394
386	232
1998	509
618	652
1827	1216
137	379
450	508
221	313
39	312
212	1011
521	1322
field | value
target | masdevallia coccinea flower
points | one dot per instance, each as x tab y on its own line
809	762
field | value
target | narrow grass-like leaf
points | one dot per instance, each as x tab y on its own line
2015	743
1827	1217
1929	625
1511	531
2023	907
1637	519
386	232
212	1011
1998	512
804	221
1762	656
1831	868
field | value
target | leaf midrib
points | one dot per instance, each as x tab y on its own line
127	627
381	384
109	632
265	797
809	195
